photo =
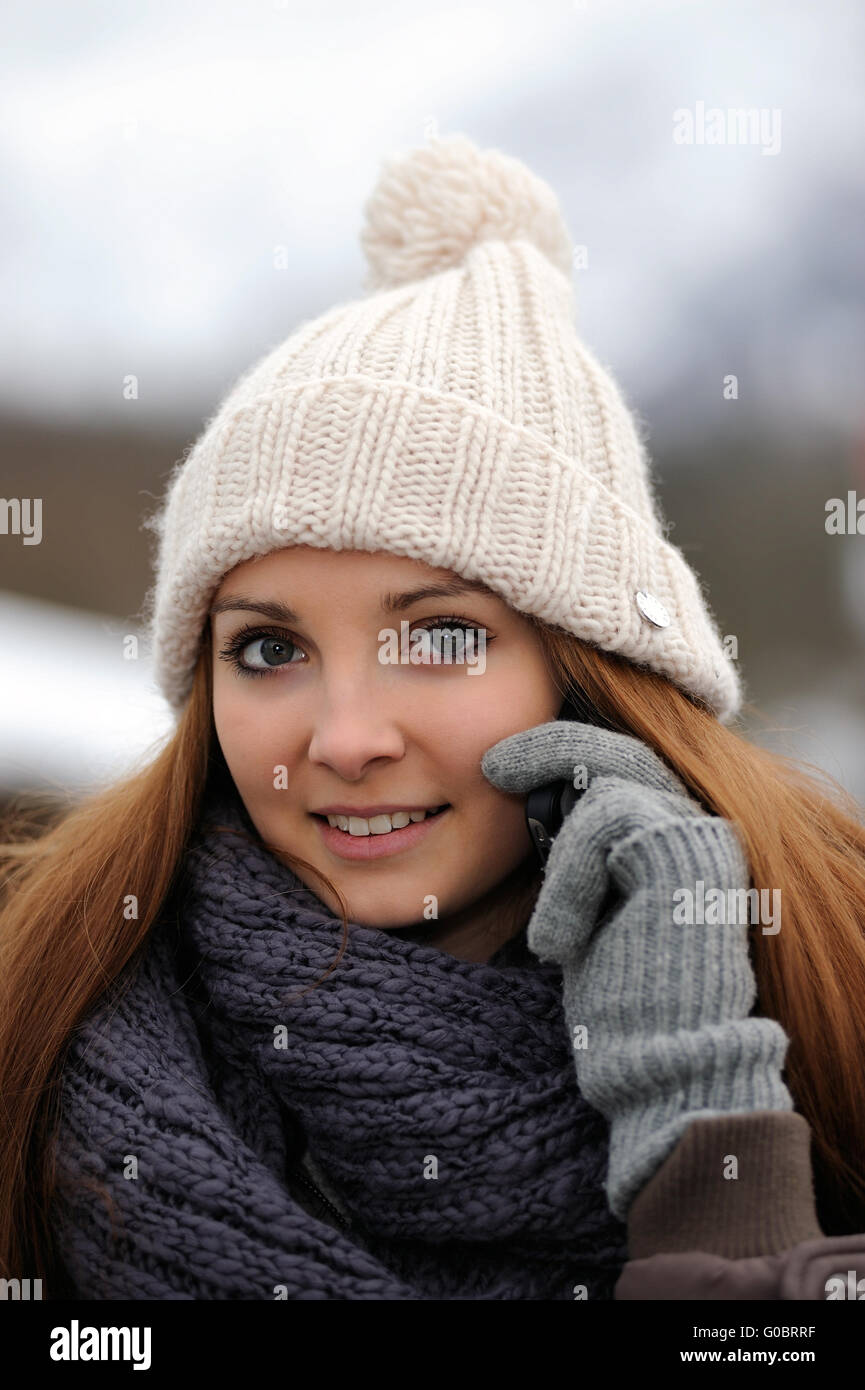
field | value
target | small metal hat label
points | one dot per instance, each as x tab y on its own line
652	608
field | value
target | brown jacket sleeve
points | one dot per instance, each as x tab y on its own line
767	1208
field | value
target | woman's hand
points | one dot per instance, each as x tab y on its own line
624	788
657	1008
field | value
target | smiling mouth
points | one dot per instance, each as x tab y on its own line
370	846
361	827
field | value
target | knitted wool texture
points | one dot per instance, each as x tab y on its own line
453	416
212	1055
665	1004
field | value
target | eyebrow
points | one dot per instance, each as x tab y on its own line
390	602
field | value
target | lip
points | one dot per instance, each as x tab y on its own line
377	846
384	809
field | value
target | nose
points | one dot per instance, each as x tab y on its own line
355	725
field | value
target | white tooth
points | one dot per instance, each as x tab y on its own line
377	825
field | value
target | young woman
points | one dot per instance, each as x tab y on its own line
295	1011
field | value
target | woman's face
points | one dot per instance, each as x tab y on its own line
320	721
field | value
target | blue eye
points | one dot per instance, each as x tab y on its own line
254	652
272	652
440	630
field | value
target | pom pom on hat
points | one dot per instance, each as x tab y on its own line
431	206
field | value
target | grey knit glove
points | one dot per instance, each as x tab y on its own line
657	1011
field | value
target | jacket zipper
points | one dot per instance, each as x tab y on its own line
307	1182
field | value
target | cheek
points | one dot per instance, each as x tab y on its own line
244	737
481	708
456	735
496	823
491	843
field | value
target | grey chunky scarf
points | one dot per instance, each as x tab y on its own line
438	1096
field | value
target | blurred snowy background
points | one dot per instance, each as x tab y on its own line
183	185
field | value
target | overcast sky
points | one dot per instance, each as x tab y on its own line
153	155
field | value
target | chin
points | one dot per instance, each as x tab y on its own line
384	915
376	907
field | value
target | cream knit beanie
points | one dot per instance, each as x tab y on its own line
453	416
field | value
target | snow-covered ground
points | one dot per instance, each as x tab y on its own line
74	712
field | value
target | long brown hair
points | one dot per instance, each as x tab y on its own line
65	937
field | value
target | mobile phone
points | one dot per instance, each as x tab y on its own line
547	806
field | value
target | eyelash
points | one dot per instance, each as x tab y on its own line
249	633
